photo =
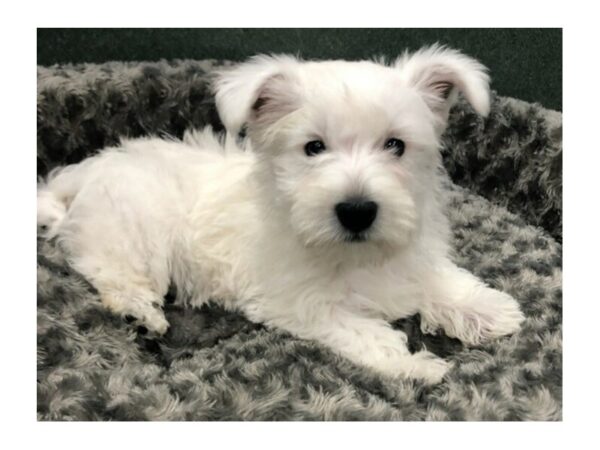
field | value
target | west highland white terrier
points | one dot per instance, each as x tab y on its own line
326	221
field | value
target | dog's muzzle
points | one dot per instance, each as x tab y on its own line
356	215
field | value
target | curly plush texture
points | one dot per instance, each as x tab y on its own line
514	158
216	365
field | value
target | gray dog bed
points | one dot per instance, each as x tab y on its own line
505	205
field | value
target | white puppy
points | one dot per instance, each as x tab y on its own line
326	222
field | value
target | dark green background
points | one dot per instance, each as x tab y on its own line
524	63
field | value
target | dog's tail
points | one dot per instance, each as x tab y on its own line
54	196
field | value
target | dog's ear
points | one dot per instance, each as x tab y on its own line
255	91
439	73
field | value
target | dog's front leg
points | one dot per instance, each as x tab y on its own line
367	341
466	308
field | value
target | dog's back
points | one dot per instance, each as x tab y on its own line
127	216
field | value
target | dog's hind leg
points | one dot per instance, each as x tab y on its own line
139	306
128	285
131	273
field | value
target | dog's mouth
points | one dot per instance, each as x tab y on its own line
355	237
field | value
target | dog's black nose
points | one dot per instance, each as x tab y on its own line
356	215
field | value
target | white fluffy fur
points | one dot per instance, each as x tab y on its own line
252	225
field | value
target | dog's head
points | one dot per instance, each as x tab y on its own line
349	150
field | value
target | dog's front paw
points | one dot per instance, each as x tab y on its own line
493	315
423	365
427	367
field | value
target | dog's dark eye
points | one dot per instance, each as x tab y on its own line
313	148
396	145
